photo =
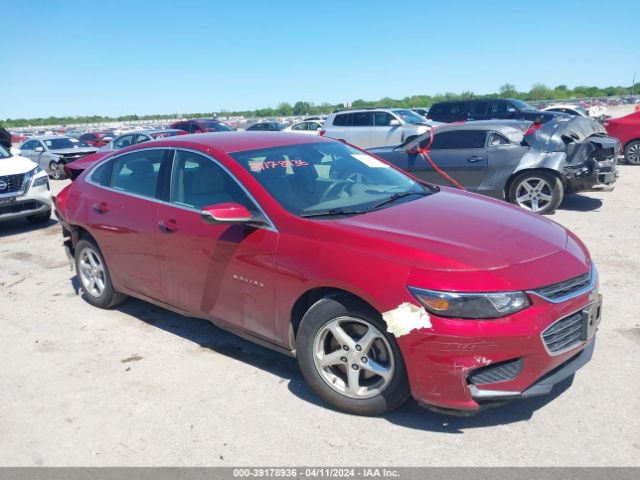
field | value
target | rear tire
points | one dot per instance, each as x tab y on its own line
537	191
43	217
94	276
369	376
632	153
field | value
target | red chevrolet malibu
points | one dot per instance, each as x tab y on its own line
380	285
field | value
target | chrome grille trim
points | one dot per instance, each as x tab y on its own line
568	289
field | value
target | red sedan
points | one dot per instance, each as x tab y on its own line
381	286
627	130
97	139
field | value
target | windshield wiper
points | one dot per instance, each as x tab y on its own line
397	196
332	212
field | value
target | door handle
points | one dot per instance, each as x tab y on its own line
101	207
168	226
474	158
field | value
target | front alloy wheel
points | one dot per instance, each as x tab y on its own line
348	359
353	357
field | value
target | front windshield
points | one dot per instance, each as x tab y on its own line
309	179
521	105
409	116
4	153
62	143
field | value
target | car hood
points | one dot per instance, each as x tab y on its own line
71	151
457	240
15	165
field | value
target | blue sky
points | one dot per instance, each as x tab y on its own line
145	57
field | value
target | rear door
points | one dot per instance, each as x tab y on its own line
215	270
122	211
478	110
461	154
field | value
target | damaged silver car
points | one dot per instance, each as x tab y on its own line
527	164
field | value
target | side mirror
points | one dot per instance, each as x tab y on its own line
231	213
39	149
394	123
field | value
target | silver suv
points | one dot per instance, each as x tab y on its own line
375	127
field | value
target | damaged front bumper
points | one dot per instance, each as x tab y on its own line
461	367
593	175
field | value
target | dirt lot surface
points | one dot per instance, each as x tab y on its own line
142	386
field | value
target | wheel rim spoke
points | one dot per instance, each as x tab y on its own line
342	336
375	367
367	340
330	359
354	381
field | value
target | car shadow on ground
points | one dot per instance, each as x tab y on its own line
410	415
17	226
576	202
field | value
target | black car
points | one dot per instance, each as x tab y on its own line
267	127
499	108
510	160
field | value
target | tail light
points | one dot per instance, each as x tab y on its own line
321	132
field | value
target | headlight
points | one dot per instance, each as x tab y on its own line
40	181
471	305
36	170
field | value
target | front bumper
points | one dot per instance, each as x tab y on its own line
592	176
444	361
32	202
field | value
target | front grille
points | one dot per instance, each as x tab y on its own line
498	372
567	287
563	334
13	183
18	207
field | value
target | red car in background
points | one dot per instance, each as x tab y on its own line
381	286
201	125
97	139
627	130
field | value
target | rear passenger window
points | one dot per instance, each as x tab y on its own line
479	108
459	139
362	119
137	172
341	120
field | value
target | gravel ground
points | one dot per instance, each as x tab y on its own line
142	386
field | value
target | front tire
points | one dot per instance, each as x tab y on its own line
348	359
537	191
94	276
632	153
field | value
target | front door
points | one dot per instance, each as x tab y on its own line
459	153
219	271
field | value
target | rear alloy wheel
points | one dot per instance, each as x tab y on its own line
538	192
55	170
94	276
348	359
632	153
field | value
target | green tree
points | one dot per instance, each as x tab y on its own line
508	90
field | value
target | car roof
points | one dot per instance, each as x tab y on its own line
497	125
230	142
51	137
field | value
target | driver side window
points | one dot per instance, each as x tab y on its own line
197	182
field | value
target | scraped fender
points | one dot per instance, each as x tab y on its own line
405	318
535	159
